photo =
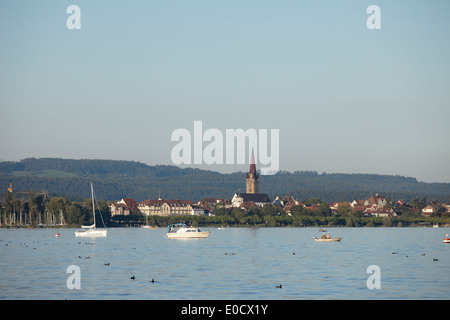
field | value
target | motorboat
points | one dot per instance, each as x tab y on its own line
327	239
182	231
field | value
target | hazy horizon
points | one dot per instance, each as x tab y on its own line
244	168
344	98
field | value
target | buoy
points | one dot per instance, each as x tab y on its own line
446	239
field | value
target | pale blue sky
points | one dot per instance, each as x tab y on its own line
345	98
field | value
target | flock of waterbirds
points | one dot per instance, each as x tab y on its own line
133	277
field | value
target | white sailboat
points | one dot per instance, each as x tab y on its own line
91	231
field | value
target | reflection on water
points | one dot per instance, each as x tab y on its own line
234	263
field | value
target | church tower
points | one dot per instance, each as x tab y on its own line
252	180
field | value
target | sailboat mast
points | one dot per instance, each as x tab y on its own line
93	205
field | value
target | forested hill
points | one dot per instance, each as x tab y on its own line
114	180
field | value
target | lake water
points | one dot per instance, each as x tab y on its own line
33	264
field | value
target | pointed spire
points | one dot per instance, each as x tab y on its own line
252	180
252	164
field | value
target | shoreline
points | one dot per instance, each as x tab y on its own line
234	226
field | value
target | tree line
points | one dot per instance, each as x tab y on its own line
57	211
36	210
129	179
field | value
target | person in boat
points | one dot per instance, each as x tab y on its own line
324	236
328	236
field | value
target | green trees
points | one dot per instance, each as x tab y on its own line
36	208
419	204
61	211
75	214
56	211
323	210
129	179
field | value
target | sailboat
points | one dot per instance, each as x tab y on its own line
91	231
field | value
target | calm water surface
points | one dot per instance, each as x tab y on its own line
33	264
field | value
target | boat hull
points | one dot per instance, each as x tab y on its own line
91	233
446	240
188	235
327	240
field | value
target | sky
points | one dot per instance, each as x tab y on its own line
345	98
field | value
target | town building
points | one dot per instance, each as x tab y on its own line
119	209
373	200
374	206
382	212
286	203
208	204
252	197
162	207
252	180
242	199
123	207
429	210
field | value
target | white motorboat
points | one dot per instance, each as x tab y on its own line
92	231
182	231
327	239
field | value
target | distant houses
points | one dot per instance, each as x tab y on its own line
246	200
166	207
123	207
158	207
286	202
375	206
434	208
209	204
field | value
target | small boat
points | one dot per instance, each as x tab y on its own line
322	230
327	239
148	227
58	235
221	228
446	239
182	231
91	231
